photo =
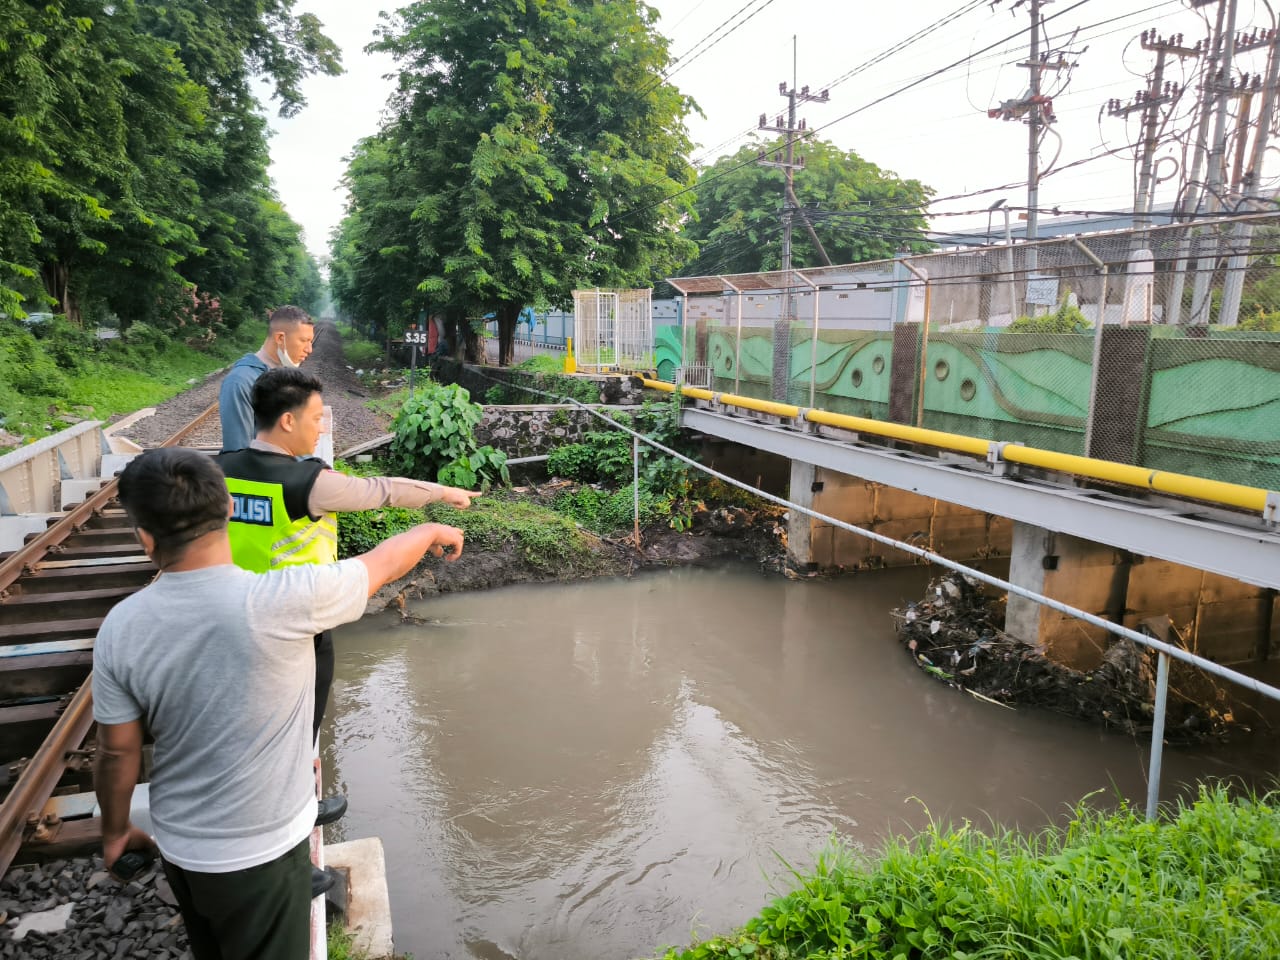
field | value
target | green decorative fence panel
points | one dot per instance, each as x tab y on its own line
1213	409
1028	387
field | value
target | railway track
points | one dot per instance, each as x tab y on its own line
54	593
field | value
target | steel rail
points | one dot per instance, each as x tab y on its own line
1254	499
22	808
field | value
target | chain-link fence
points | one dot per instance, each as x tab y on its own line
1159	347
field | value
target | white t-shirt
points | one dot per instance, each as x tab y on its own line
220	665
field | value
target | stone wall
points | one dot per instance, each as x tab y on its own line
478	380
533	430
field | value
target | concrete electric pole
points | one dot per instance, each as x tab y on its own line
1149	102
792	131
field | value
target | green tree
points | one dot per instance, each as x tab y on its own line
98	116
858	211
540	149
250	251
133	160
373	271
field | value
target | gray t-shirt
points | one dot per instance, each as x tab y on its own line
220	665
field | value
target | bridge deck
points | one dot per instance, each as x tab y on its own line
1234	545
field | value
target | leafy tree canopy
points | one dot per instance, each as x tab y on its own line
535	148
133	160
858	211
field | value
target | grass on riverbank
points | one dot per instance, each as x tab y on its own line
1203	881
547	541
63	375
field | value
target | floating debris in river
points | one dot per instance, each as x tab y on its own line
955	634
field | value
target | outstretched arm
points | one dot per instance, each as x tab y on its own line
335	492
394	557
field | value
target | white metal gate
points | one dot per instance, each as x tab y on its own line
613	329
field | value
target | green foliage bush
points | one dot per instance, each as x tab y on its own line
434	439
40	376
605	458
609	511
362	353
67	345
1203	881
1262	322
541	363
546	540
362	531
28	368
1067	318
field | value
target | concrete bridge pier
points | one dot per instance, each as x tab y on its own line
1220	618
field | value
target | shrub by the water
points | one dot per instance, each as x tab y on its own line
434	439
1203	881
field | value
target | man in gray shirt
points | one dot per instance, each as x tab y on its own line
217	664
290	335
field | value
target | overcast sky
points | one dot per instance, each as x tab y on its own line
937	132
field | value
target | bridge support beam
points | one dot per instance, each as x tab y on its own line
1218	617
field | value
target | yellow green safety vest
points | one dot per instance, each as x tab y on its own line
270	526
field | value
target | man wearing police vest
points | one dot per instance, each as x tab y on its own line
283	509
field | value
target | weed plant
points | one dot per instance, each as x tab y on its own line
602	461
434	439
541	363
547	541
1201	882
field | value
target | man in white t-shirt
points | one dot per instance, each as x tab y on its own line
217	663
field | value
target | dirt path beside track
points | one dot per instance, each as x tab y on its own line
353	421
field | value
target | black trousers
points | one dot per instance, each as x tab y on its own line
261	913
324	678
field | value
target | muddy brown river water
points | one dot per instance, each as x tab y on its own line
590	771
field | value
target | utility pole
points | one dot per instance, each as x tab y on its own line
1248	180
1149	101
1033	108
1033	126
1219	88
792	130
1036	111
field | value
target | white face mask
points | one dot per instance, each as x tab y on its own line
282	355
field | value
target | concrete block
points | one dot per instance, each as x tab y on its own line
113	463
848	549
1000	535
961	536
1157	584
77	491
1229	631
894	504
1088	587
368	914
852	504
1072	642
1220	589
913	530
14	529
